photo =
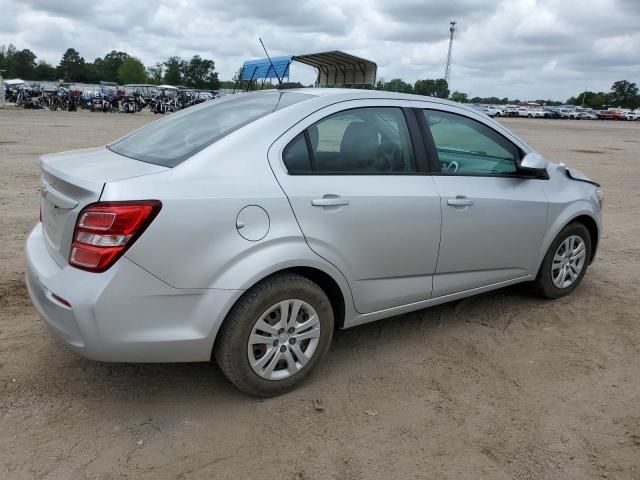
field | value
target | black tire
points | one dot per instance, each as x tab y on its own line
544	283
231	347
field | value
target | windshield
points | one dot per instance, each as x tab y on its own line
170	141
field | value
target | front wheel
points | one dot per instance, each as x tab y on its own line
275	335
565	263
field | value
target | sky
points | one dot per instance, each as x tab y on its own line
525	49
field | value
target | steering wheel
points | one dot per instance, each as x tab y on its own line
451	167
388	157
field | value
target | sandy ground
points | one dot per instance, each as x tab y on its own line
501	386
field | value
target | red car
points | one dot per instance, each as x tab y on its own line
610	115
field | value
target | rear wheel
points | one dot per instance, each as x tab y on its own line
275	335
565	263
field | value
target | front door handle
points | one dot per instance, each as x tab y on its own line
460	201
329	201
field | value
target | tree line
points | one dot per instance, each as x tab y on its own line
199	72
623	94
119	67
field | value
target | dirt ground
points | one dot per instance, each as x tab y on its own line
500	386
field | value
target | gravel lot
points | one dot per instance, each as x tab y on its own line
500	386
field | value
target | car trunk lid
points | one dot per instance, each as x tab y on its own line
71	181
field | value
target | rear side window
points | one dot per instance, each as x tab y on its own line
296	156
362	141
170	141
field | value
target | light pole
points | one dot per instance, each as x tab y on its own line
1	90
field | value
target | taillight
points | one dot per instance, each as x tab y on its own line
105	230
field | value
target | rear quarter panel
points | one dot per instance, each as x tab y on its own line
194	242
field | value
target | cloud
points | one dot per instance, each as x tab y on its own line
515	48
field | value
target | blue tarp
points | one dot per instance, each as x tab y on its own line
263	68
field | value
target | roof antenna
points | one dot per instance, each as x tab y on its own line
274	68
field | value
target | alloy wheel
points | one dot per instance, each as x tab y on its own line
283	339
568	261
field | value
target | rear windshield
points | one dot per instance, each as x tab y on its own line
170	141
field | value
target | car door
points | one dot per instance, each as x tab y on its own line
354	181
493	218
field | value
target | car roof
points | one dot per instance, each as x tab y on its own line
355	94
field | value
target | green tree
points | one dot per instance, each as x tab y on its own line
155	73
459	97
398	85
6	59
174	70
91	73
491	100
595	100
131	71
71	66
624	94
107	68
23	64
432	88
548	102
45	71
200	73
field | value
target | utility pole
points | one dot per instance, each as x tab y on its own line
447	68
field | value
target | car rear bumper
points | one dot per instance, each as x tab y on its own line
124	314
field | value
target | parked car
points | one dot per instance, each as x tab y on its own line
635	115
554	114
564	112
530	112
610	115
511	111
248	228
588	116
495	111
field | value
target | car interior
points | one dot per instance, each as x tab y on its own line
466	146
366	140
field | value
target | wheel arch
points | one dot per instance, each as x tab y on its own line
332	288
336	289
583	217
592	227
329	286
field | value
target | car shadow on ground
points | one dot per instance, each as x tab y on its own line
145	381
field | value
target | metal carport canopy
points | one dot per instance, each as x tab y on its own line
340	69
263	68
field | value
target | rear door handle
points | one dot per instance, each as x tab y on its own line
329	201
460	201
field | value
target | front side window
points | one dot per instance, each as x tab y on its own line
361	141
466	146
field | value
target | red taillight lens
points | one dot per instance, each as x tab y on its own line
105	230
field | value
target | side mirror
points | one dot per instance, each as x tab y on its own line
533	163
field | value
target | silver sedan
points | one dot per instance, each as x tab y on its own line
248	228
